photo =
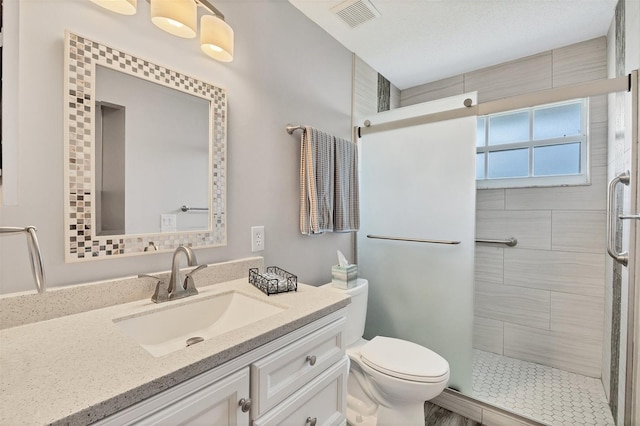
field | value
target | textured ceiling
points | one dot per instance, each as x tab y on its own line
418	41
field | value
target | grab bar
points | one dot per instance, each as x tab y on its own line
622	257
188	209
414	240
629	216
37	267
511	242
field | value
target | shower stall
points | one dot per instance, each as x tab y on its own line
511	338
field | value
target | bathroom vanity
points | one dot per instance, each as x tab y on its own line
83	368
303	381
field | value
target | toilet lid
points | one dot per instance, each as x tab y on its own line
404	360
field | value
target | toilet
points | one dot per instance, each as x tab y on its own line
389	379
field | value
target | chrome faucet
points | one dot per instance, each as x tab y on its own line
177	288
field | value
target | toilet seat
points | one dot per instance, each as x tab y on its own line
404	360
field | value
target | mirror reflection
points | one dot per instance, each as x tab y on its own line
152	156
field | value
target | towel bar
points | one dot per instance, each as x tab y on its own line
37	266
414	240
188	209
292	128
508	241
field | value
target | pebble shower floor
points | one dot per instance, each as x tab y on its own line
550	395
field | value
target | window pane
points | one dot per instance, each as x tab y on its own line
480	137
510	163
509	128
557	121
479	166
556	160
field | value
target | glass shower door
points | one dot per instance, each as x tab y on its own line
418	182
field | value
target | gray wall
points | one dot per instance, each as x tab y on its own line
542	301
269	84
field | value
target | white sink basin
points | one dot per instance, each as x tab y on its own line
166	330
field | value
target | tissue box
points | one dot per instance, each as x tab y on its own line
344	277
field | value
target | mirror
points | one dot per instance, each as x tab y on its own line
145	149
151	156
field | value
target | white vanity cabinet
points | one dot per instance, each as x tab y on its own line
307	376
299	378
321	402
203	400
280	374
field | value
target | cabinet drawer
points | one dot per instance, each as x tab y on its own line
323	399
199	401
280	374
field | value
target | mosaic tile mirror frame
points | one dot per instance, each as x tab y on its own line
81	242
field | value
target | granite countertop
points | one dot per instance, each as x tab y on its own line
79	368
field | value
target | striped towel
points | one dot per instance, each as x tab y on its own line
316	181
347	201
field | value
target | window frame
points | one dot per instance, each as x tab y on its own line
582	178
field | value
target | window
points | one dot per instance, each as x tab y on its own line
540	146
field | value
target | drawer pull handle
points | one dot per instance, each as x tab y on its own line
312	421
245	404
312	361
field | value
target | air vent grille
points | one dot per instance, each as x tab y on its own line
356	12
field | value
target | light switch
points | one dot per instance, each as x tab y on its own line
168	222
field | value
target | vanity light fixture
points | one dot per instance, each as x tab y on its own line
177	17
180	18
124	7
216	38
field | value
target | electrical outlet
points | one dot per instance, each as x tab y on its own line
257	238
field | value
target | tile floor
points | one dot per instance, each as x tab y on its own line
545	394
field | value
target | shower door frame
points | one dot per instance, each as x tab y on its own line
529	100
632	380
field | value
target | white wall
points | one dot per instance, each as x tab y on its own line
286	69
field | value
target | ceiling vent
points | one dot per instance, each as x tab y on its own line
356	12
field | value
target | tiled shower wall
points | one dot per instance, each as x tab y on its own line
543	300
366	92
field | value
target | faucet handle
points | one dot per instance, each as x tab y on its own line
162	292
194	270
189	282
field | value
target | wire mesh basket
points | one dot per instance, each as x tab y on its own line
274	280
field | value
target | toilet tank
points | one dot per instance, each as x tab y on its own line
356	310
